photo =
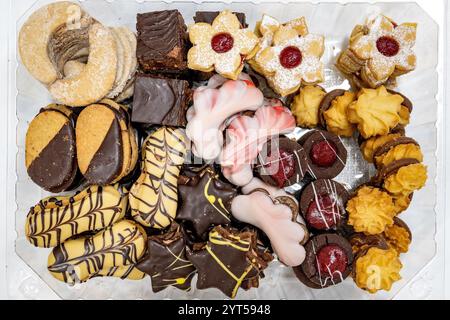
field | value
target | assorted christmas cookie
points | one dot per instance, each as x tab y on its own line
322	204
290	57
166	261
222	46
328	261
80	259
226	170
325	152
228	260
206	202
282	163
306	106
50	149
378	52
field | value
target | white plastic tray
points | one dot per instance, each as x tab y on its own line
333	20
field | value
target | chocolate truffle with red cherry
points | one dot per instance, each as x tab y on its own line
328	261
282	162
325	152
322	205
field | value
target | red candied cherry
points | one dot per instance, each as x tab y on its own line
323	153
332	259
222	42
280	166
290	57
323	213
388	46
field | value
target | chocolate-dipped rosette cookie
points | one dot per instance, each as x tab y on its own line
322	204
397	149
326	154
282	162
333	112
329	260
50	149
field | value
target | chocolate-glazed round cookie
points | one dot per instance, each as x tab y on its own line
282	162
326	154
50	149
328	261
326	104
322	205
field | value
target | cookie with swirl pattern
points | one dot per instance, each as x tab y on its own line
83	258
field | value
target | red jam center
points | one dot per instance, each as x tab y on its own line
323	213
332	259
323	153
222	42
388	46
290	57
280	166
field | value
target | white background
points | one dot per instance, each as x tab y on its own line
434	280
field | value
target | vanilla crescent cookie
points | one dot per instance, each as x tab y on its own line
97	78
36	33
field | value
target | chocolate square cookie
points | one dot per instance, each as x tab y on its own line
160	101
161	42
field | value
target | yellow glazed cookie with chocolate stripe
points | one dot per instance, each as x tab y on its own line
50	149
78	260
126	272
36	33
154	196
56	219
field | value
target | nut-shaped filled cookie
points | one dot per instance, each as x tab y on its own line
154	196
97	79
55	219
35	35
81	259
50	150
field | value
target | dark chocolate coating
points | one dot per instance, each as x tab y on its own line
209	16
55	168
326	104
300	160
361	241
107	162
159	101
166	262
323	187
318	172
161	41
206	204
307	272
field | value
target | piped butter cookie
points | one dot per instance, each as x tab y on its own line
154	196
50	149
306	106
83	258
397	149
56	219
333	112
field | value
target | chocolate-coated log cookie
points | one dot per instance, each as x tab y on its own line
56	219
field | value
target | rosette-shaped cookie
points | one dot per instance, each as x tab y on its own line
222	46
407	179
398	236
401	202
377	269
397	149
293	57
370	211
376	111
379	51
369	146
306	104
335	115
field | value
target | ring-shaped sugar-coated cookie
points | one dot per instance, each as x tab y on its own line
97	78
35	35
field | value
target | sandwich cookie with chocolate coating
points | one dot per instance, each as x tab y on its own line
228	260
329	260
166	261
397	149
206	203
50	149
78	260
325	152
56	219
333	112
322	204
154	196
306	106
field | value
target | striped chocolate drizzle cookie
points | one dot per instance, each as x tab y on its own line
80	259
154	196
56	219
